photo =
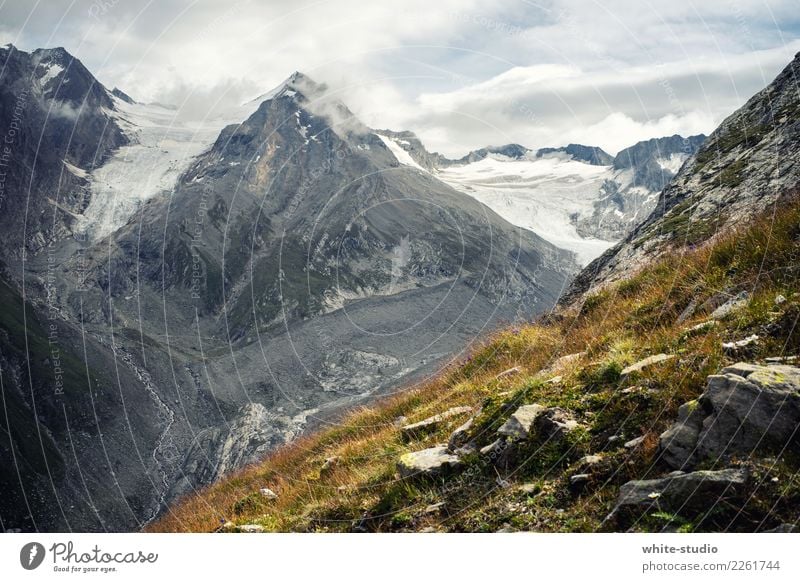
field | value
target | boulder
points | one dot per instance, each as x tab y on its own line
519	425
250	528
411	431
677	444
680	491
642	364
744	408
428	462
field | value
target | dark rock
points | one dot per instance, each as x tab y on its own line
678	491
729	179
579	479
459	437
643	158
589	154
554	423
677	444
745	408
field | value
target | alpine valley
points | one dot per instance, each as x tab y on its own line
205	321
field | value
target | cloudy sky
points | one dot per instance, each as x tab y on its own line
460	73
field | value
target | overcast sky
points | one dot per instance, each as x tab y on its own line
460	73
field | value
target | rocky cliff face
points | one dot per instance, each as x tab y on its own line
56	126
745	165
589	154
640	172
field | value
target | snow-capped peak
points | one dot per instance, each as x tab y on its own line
295	83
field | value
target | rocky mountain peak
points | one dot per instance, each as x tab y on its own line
58	75
297	85
589	154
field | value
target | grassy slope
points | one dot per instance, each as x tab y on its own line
634	318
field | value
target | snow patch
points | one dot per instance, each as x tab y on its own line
51	71
401	155
673	163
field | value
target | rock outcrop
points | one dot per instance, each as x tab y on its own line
434	461
520	423
695	491
746	164
743	409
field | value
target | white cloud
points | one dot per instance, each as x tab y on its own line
618	131
550	105
461	73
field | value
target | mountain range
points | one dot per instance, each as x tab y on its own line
660	395
185	297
